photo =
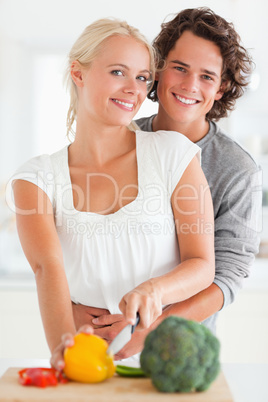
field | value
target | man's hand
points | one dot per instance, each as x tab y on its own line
85	314
110	325
135	345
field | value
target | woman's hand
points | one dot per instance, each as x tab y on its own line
67	340
145	299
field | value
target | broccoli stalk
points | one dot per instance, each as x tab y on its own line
181	356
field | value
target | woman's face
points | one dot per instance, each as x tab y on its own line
115	84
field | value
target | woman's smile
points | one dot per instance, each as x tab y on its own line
124	104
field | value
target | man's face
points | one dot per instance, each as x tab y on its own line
191	81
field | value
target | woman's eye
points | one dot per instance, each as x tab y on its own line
117	72
142	78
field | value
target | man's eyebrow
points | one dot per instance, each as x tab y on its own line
188	65
210	73
180	62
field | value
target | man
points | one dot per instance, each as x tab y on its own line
203	69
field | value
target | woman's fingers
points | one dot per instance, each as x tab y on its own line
86	329
129	308
148	304
67	340
57	360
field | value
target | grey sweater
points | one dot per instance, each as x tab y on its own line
235	185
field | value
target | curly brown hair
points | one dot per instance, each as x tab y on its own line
237	63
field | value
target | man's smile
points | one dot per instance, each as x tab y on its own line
186	101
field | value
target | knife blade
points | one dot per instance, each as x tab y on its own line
122	338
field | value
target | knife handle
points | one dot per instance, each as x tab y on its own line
136	323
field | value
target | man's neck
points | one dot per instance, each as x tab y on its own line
195	130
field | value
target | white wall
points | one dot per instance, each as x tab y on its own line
35	37
31	31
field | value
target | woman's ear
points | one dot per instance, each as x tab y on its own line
76	73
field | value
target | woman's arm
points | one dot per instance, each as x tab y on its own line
194	219
193	215
41	245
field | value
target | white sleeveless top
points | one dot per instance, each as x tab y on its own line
105	256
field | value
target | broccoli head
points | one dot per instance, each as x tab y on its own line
181	356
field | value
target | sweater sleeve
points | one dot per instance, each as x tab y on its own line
237	229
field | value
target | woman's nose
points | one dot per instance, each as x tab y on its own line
131	86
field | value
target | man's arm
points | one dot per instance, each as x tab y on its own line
237	231
107	325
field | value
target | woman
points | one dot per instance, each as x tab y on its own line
113	220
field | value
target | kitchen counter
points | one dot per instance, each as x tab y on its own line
247	382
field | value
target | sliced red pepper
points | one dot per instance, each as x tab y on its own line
62	379
41	377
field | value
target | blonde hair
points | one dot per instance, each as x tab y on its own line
87	47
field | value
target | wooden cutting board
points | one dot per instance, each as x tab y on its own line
115	389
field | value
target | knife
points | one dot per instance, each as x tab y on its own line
122	338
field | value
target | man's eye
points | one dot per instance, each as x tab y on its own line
179	68
207	77
117	72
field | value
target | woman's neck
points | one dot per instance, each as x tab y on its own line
99	144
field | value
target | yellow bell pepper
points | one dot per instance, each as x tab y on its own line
87	360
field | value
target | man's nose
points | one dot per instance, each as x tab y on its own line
190	83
